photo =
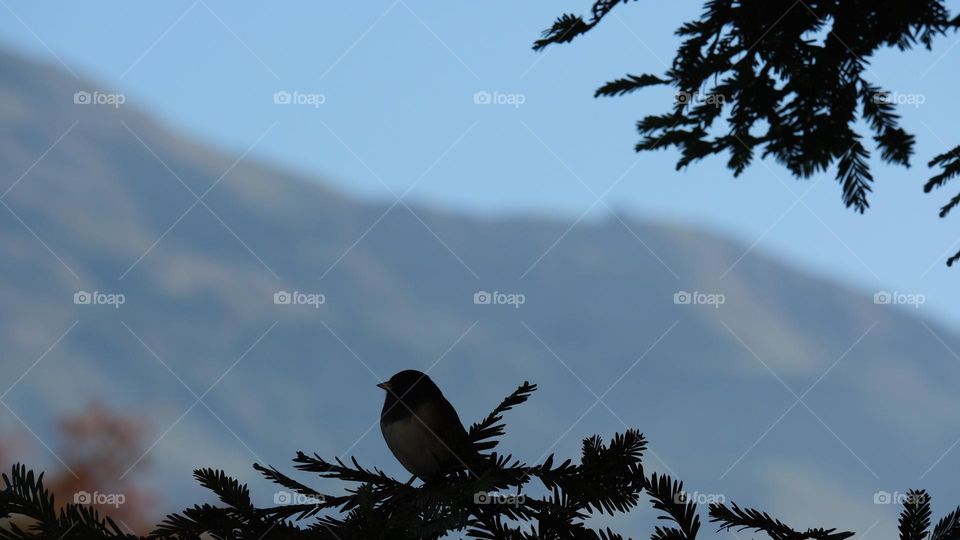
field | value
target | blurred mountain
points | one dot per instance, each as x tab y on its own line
795	394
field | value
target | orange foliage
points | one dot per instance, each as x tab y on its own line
100	447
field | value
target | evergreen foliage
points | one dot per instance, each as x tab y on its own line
785	79
491	504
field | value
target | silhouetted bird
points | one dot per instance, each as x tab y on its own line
422	428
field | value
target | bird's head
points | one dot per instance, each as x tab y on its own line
410	385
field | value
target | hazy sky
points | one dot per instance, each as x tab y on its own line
388	91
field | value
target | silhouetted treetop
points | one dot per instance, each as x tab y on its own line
495	502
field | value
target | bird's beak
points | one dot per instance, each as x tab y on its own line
384	385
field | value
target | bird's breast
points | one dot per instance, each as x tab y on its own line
415	444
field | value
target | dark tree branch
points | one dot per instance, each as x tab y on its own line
608	479
784	80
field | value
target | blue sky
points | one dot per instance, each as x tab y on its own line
398	81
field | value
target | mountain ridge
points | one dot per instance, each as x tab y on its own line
599	313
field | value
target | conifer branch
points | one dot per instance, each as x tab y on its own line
494	504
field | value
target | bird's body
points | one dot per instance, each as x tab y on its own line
421	428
